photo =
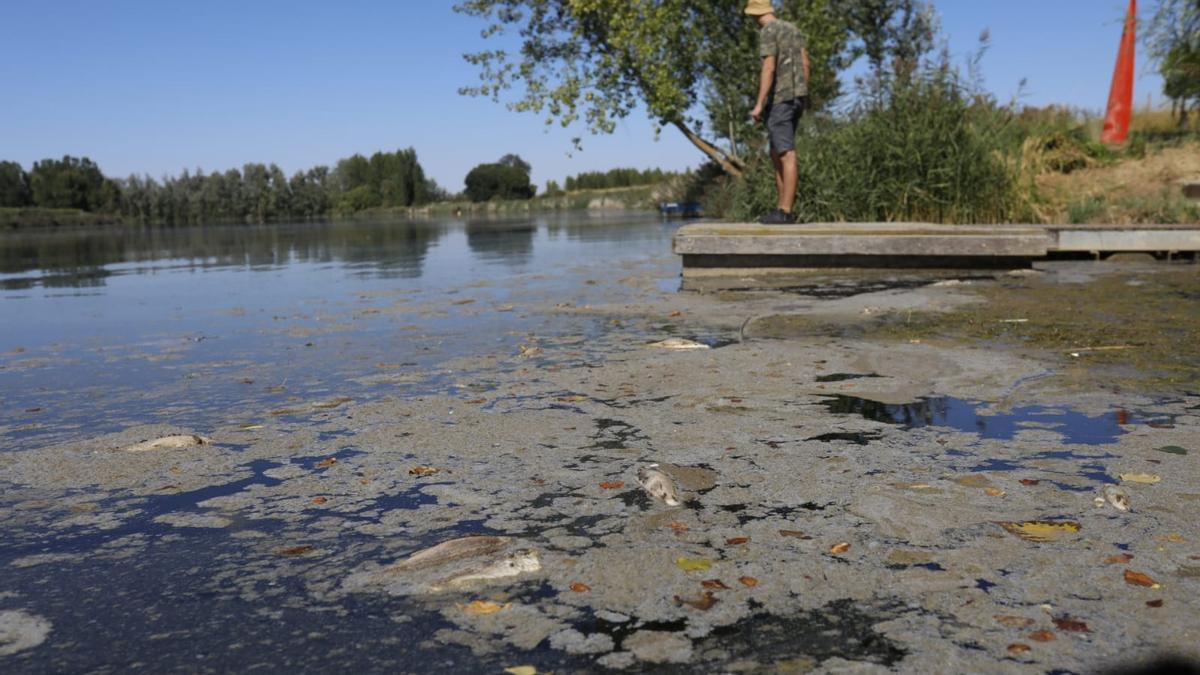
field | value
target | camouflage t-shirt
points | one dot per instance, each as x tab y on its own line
784	41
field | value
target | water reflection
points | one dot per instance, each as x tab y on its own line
83	258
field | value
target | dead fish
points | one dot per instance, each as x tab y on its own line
1117	497
679	344
450	551
176	442
658	484
513	566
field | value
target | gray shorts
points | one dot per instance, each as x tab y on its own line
782	119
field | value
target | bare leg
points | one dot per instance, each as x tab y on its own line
786	177
779	177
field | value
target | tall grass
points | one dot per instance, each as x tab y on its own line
922	147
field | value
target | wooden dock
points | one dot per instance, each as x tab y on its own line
715	248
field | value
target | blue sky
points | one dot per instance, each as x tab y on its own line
155	87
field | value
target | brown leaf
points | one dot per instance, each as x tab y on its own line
423	471
737	541
477	401
612	485
1119	559
679	527
1154	603
794	534
1030	482
1043	636
580	588
326	463
1071	625
714	584
296	550
839	549
994	492
320	500
1019	648
749	582
1138	579
703	603
1014	621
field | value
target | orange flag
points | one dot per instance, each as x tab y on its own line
1120	100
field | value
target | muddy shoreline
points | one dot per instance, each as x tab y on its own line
862	492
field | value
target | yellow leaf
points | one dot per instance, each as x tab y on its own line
693	564
1148	478
483	608
1171	538
521	670
1041	531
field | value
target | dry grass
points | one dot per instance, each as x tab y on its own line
1127	191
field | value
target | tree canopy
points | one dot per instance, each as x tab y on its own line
689	65
1172	38
505	179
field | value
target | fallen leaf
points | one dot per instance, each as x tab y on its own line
320	500
737	541
715	585
612	485
703	603
1041	531
675	315
1043	636
573	399
994	492
423	471
1030	482
477	401
326	463
839	549
1019	648
483	608
679	527
1173	450
521	670
296	550
1071	625
1138	579
794	534
693	564
251	427
1146	478
1119	559
580	588
748	582
1014	621
1171	538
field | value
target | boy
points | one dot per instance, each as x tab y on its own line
782	95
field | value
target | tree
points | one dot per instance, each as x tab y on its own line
499	181
902	30
72	183
1172	39
597	60
14	185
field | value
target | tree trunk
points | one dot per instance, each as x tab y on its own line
732	166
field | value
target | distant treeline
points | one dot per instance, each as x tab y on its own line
614	178
257	193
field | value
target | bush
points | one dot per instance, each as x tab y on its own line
920	147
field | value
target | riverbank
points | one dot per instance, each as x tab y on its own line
28	218
872	478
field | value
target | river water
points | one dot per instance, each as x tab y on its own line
100	329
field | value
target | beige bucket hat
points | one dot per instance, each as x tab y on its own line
759	7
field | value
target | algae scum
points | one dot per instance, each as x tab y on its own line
853	498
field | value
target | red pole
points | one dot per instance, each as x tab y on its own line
1120	99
